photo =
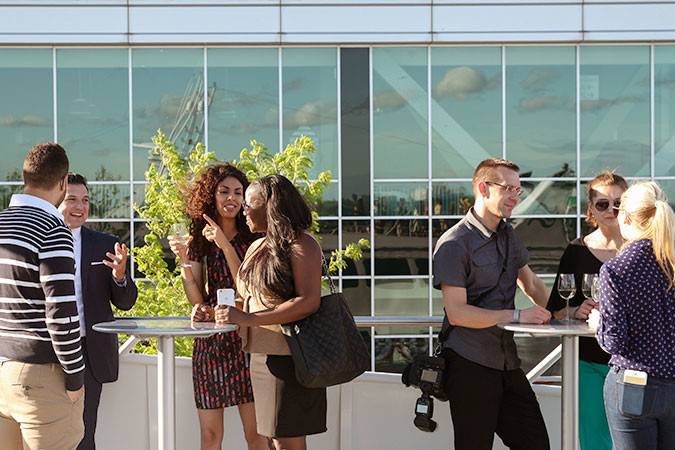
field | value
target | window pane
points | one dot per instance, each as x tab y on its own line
401	247
108	201
466	108
547	197
26	109
392	354
168	93
355	130
357	294
400	112
401	298
546	240
353	231
664	110
328	233
541	110
615	113
119	229
669	188
401	199
244	99
310	102
452	198
328	206
6	193
93	111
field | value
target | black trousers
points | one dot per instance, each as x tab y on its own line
92	398
486	401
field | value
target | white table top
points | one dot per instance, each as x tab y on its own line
162	326
554	328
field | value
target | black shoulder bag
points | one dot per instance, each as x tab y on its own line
326	346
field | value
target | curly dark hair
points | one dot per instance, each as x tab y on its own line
269	271
201	200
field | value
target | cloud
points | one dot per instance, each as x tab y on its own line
538	78
601	103
25	121
311	113
294	84
390	99
459	82
543	103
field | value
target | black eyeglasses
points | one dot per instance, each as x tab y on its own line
513	190
602	205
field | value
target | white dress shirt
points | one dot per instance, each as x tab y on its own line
77	241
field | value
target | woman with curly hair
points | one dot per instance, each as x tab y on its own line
210	260
280	282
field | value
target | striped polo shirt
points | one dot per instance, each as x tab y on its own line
39	322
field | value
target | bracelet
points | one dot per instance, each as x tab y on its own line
516	315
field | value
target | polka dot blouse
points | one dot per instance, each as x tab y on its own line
637	312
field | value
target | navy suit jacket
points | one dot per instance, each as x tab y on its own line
99	290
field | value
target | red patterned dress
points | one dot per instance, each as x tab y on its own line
220	369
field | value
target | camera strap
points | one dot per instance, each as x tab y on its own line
446	328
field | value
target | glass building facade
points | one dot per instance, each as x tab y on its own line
400	127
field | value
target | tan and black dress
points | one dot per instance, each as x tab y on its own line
283	407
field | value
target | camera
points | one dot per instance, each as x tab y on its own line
428	374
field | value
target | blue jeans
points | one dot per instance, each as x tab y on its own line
654	429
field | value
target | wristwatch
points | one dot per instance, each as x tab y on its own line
516	315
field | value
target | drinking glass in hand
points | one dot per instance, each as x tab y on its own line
567	288
595	288
587	285
181	233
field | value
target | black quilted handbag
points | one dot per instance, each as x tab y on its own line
326	346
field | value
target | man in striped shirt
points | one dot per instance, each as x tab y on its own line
41	364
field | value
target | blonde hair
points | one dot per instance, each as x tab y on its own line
646	205
604	178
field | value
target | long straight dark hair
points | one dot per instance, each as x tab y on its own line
268	273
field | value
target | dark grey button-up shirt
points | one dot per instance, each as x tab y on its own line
469	255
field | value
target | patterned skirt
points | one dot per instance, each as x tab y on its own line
221	373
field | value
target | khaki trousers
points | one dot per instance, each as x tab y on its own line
35	411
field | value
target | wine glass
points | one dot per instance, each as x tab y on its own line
588	284
567	288
595	289
181	233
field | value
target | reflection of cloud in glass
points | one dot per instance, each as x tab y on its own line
458	82
25	121
294	84
538	78
544	103
595	105
311	113
388	100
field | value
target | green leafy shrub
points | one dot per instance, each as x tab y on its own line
167	180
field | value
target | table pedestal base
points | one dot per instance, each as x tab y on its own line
166	374
570	393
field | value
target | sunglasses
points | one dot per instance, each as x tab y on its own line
602	205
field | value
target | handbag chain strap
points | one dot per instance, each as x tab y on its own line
331	283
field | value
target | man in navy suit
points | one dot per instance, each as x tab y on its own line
100	279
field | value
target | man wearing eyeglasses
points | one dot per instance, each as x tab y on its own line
477	265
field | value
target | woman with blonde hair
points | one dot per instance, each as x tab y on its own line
637	323
585	255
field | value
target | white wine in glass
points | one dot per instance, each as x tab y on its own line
181	232
567	288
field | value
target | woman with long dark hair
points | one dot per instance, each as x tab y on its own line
218	242
280	282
